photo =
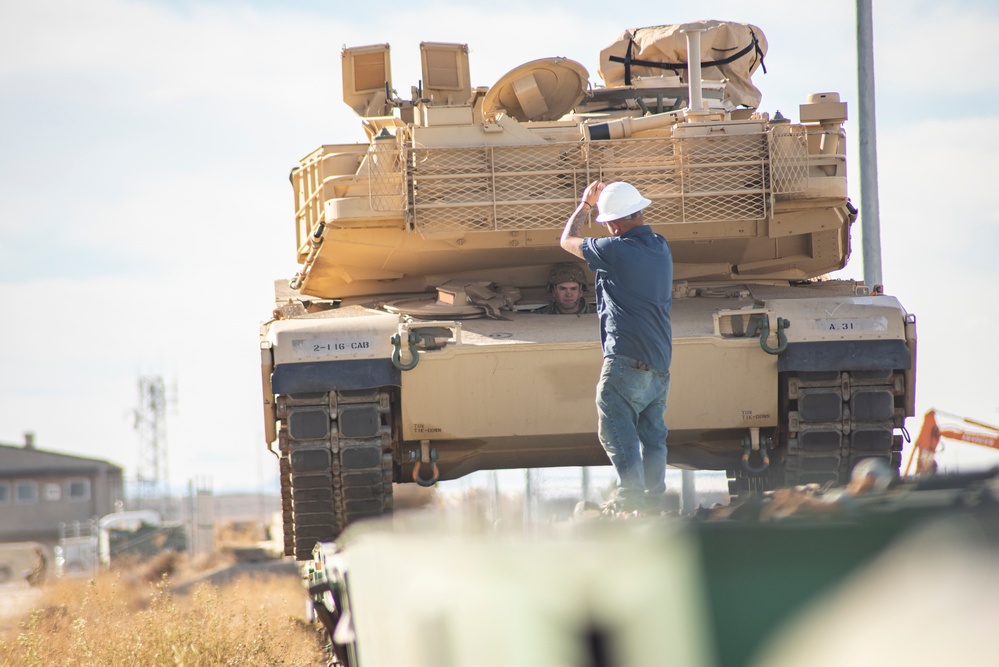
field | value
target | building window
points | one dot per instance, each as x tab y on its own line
79	490
4	493
25	493
52	492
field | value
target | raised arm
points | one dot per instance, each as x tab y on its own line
572	235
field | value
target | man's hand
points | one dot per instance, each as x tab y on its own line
572	239
592	193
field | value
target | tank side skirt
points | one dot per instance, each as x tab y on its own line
346	374
861	355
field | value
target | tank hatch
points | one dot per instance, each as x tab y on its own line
459	300
544	89
430	308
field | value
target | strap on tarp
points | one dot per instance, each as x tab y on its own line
628	61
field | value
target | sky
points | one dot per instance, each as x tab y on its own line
145	209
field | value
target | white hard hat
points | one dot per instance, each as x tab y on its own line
618	200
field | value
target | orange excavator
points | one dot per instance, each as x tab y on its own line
930	434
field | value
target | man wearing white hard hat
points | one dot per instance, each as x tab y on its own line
634	287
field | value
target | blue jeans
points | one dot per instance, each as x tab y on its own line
631	403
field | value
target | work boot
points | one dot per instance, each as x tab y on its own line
615	509
667	503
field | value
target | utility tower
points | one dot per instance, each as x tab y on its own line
152	476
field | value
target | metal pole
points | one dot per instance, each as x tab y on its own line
695	101
869	212
688	492
192	522
497	504
528	500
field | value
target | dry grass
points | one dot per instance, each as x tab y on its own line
121	618
239	533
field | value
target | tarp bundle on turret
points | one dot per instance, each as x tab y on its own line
729	50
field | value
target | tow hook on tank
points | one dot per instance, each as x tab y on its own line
750	323
754	442
764	326
423	336
427	454
413	339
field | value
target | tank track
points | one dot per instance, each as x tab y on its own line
835	419
831	421
336	463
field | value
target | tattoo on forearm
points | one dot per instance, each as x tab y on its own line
575	225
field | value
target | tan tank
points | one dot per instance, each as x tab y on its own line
412	345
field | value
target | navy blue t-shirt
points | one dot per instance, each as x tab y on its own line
634	285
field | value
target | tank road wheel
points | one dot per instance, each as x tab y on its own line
835	419
338	447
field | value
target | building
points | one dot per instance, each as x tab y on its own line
41	490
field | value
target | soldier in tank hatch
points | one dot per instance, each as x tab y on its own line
566	290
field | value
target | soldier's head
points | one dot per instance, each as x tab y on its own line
566	285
